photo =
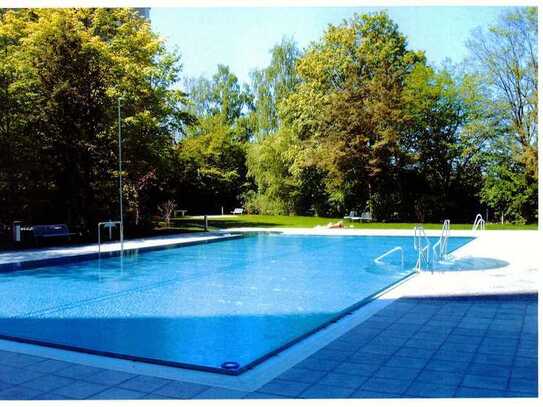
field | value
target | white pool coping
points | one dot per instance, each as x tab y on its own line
131	244
520	249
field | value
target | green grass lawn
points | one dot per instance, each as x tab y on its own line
192	222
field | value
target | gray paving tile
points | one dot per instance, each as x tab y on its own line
284	388
359	369
442	378
318	364
20	360
146	384
334	355
259	395
398	373
379	349
529	373
364	394
497	350
525	362
4	386
423	389
12	375
458	347
384	340
153	396
399	361
217	393
489	370
116	393
51	396
371	358
472	340
528	353
181	390
424	344
49	366
109	377
80	390
415	353
523	395
322	391
492	359
453	356
48	383
78	371
19	393
485	382
298	374
342	380
342	346
495	333
523	385
469	332
470	392
379	384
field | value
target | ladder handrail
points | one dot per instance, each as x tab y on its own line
478	223
442	242
109	224
423	251
391	251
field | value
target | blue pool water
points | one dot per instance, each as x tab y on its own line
236	300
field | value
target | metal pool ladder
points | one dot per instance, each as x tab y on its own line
479	223
439	249
379	260
110	225
421	244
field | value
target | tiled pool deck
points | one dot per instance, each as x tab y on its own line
481	343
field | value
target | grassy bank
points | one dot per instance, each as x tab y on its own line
222	222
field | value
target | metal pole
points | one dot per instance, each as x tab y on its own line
120	175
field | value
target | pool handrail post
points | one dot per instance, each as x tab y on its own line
120	177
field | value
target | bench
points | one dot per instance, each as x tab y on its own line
237	211
48	231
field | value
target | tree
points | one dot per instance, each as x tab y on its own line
210	166
273	84
348	108
222	95
506	58
69	67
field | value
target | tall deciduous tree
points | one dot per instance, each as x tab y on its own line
506	57
70	66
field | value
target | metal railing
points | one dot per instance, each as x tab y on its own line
110	225
379	260
421	244
479	223
440	249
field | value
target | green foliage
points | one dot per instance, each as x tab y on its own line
506	59
68	67
273	84
357	121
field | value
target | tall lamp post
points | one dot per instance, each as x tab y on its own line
120	176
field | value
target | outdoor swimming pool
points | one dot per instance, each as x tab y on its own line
233	301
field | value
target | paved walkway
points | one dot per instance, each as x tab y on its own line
470	346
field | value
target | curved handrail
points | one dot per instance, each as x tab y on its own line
423	251
479	223
440	249
379	259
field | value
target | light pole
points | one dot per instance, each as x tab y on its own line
120	176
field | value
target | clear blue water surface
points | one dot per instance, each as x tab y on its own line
233	300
